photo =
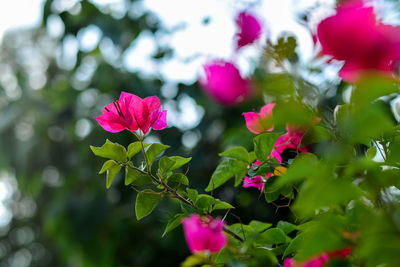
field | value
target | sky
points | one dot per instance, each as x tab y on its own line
194	42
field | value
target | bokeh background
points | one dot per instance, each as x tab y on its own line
62	61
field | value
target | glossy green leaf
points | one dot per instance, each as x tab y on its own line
135	147
263	145
111	173
153	151
130	175
192	194
222	205
178	178
316	134
275	236
225	171
179	162
107	165
173	223
205	201
302	167
286	227
259	226
165	164
110	150
141	179
238	152
146	201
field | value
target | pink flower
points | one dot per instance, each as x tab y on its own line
131	112
249	29
204	235
224	83
256	181
357	37
262	122
291	139
320	260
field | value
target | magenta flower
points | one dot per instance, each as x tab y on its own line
249	29
131	113
256	181
224	83
355	36
260	122
204	235
320	260
291	139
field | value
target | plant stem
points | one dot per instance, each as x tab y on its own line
174	192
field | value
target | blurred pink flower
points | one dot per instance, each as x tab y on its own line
256	181
131	112
224	83
249	29
204	235
356	36
320	260
291	139
260	122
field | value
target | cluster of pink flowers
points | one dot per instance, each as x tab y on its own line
132	113
357	37
204	234
222	80
320	260
263	122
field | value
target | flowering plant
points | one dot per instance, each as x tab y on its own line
335	169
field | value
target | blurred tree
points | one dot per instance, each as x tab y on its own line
52	85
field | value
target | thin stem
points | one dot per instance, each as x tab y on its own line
174	192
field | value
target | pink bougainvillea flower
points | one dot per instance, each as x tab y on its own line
320	260
249	29
364	43
260	122
291	139
256	181
131	113
224	83
204	234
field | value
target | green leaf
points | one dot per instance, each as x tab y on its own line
238	152
322	191
371	87
222	205
259	226
192	194
275	236
316	134
263	145
178	178
239	177
371	152
153	151
179	162
173	223
165	164
204	201
225	171
293	246
107	165
110	150
130	175
111	173
135	147
141	179
302	167
146	201
286	227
